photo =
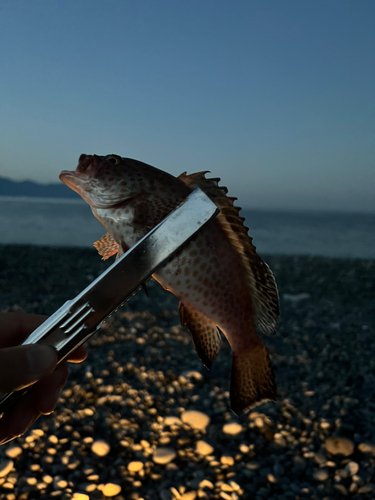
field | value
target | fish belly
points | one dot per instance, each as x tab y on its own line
207	275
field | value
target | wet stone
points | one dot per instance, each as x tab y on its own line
190	495
165	495
339	446
59	483
232	428
367	488
203	448
80	496
110	489
164	456
100	448
206	484
341	489
351	468
227	460
321	475
5	467
367	448
172	421
13	451
135	466
196	419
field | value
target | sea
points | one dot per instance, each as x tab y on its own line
70	223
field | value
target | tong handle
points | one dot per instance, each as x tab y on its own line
74	322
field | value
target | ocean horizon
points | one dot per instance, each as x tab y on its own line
64	222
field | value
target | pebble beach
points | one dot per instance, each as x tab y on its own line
142	418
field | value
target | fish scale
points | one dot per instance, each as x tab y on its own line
220	281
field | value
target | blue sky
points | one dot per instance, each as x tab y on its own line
275	97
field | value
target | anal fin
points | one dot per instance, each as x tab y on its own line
206	336
106	246
252	381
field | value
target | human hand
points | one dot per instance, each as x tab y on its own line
23	366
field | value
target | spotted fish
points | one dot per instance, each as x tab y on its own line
220	281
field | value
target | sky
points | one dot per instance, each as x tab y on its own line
275	97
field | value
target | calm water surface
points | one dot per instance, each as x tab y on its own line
42	221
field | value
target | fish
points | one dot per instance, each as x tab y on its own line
222	284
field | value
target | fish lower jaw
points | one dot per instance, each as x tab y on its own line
78	183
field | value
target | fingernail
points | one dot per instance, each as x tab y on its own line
40	359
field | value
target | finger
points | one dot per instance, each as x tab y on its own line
20	418
23	365
78	355
40	399
15	327
47	390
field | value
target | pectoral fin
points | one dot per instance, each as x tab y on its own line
252	380
206	336
106	246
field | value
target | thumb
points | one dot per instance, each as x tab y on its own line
23	365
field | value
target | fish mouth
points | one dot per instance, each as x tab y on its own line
82	184
78	182
74	180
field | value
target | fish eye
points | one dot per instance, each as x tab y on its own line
112	159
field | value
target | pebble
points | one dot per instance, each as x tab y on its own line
8	486
203	448
225	496
196	419
165	495
352	468
100	448
271	478
59	483
341	489
227	460
339	446
206	484
232	428
5	467
366	488
190	495
163	456
13	451
172	421
367	448
80	496
321	475
135	466
226	487
110	489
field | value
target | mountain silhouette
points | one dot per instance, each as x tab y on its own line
8	187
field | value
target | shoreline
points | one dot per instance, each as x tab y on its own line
142	376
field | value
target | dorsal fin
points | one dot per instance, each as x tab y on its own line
260	279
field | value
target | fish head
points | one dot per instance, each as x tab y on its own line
107	181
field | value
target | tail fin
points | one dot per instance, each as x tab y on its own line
253	381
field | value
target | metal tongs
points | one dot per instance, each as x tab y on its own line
80	318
